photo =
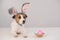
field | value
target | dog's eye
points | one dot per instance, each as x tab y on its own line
24	17
19	17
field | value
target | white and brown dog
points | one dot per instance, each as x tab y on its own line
19	20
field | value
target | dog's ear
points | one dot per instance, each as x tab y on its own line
25	6
13	17
25	15
12	11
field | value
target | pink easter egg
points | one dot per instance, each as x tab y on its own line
40	32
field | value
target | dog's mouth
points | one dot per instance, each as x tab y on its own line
19	24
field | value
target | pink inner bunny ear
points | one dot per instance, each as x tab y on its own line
14	11
25	7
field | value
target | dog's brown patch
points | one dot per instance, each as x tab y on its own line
18	17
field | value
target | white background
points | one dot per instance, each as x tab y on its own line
42	13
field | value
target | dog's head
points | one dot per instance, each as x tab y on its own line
19	17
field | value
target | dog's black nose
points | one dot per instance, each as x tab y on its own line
23	21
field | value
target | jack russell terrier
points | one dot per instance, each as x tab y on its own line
17	26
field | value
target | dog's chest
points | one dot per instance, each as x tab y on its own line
15	25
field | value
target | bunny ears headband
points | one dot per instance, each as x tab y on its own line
24	8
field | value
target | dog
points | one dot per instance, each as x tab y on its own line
19	19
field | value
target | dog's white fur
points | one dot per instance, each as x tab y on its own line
15	27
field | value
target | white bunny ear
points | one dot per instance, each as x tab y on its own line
13	11
25	6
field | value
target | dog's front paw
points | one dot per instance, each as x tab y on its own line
15	35
25	36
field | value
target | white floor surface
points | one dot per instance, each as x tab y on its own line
51	33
